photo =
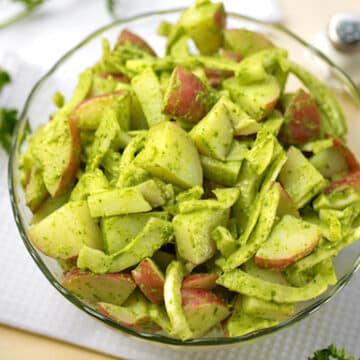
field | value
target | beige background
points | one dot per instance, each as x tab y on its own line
306	20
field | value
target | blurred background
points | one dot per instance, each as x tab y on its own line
34	34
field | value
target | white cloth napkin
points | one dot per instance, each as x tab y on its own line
29	302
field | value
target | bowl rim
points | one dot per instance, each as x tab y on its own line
21	132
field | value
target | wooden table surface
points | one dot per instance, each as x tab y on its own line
306	20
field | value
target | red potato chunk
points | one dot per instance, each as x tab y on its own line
352	179
204	24
203	310
127	318
290	240
150	280
187	97
302	120
350	158
87	114
113	288
231	55
128	37
200	281
118	77
68	177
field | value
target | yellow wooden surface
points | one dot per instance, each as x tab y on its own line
306	18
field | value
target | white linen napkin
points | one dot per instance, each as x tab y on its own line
29	302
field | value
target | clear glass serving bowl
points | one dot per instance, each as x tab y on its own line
64	75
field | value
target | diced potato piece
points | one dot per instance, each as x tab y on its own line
90	182
89	113
200	281
186	97
170	154
111	288
300	179
213	135
155	234
204	23
117	202
203	310
148	91
241	323
256	98
63	233
128	37
290	240
134	313
35	190
193	234
58	151
245	42
302	120
118	231
150	280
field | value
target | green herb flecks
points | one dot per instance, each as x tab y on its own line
331	353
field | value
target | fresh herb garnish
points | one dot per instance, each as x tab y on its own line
8	117
331	353
4	78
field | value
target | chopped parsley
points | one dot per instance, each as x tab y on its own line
331	353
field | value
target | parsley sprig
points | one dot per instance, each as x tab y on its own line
8	117
331	353
4	78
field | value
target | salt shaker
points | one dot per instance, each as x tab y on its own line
342	43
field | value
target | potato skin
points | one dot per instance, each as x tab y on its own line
69	175
150	281
352	179
186	98
200	281
127	36
302	120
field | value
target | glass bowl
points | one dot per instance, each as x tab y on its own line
64	75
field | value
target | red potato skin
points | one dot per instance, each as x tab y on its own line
192	298
118	77
216	76
69	175
220	18
89	104
127	36
281	264
93	102
231	55
200	281
350	158
271	105
143	325
77	276
352	179
187	96
302	120
149	282
114	276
